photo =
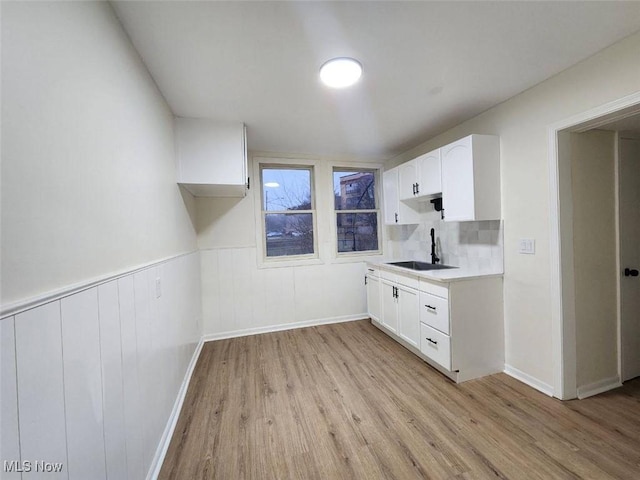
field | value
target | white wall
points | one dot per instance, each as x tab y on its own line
89	381
240	297
594	254
90	374
88	175
521	123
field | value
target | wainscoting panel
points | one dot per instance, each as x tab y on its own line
9	439
130	384
83	385
41	410
95	374
238	297
112	395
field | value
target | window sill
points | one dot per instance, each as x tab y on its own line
356	257
293	262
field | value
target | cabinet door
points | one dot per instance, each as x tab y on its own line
457	181
407	179
409	315
211	157
390	191
389	305
373	298
429	172
395	211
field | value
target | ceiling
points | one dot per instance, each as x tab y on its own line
427	65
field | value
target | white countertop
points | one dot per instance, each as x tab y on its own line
444	275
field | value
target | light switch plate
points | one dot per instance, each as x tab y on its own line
527	246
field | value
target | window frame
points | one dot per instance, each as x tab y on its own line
265	261
378	202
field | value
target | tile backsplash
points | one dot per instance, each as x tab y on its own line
473	245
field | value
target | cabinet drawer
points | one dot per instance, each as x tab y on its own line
435	345
411	282
434	288
387	275
372	271
400	279
434	311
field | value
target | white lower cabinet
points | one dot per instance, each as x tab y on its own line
389	305
455	326
435	345
400	313
409	315
434	311
373	295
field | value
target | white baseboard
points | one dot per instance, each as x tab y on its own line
529	380
285	326
599	387
163	446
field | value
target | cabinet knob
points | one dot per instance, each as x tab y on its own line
630	272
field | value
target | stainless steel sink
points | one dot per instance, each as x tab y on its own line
420	265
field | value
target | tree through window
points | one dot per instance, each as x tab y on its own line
356	209
288	210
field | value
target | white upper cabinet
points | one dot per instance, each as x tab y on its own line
429	173
407	179
211	157
420	177
471	179
395	211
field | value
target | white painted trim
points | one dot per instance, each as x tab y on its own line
48	297
529	380
564	345
599	387
556	270
616	186
284	326
163	446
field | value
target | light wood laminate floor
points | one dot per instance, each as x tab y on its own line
346	401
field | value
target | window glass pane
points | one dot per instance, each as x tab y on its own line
354	190
286	189
357	232
289	234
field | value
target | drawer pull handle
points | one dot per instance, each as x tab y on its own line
371	269
431	308
432	341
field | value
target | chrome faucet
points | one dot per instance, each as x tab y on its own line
434	258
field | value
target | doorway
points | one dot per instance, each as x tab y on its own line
629	215
569	379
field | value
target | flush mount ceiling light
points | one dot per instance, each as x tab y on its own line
340	72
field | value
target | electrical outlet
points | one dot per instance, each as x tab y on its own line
158	288
527	246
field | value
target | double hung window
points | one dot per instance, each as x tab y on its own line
288	210
356	210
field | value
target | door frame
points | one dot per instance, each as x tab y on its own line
619	137
561	237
